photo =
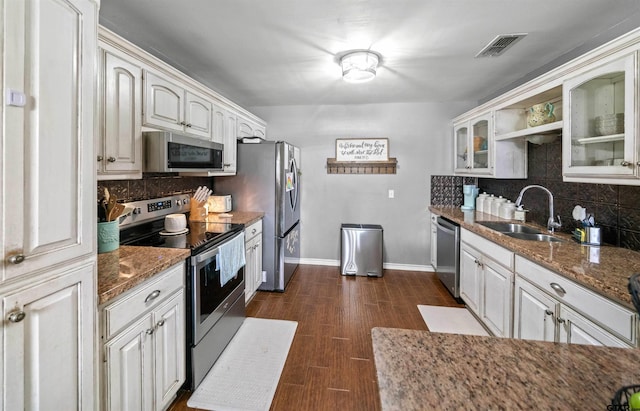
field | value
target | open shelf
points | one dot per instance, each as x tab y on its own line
360	167
550	128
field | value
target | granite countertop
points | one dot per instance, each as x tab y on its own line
604	269
128	266
420	370
238	217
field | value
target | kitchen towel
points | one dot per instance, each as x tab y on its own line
231	258
451	320
246	375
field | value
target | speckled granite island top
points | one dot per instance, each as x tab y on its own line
605	269
420	370
128	266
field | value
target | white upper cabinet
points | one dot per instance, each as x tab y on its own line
218	126
163	103
198	114
473	145
249	128
170	106
47	191
119	147
599	135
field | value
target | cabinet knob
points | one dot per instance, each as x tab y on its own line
558	289
548	312
152	296
188	125
100	158
253	231
16	316
16	259
111	159
149	331
624	163
182	123
561	320
160	323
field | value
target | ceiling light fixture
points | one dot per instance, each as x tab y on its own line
359	66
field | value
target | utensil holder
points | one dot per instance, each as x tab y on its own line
588	235
108	236
198	211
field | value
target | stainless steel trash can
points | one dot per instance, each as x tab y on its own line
361	250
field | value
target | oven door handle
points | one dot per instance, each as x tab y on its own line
213	252
206	255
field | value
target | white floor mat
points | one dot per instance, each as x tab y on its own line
246	375
452	320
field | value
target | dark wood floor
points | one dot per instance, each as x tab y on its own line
330	365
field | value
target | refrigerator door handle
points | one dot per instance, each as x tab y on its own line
294	193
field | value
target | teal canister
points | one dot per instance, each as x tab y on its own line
108	236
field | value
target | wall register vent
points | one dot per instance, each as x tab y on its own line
500	44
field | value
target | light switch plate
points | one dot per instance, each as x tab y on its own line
392	194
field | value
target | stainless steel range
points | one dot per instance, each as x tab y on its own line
215	309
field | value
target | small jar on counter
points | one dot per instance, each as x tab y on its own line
487	204
480	202
495	206
507	210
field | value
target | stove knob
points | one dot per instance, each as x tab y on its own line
178	203
186	201
137	210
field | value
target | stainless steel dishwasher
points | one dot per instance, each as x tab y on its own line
448	254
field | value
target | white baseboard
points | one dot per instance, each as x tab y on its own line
388	266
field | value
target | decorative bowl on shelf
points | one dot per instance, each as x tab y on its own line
540	114
609	124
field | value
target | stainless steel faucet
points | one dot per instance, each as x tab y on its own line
551	223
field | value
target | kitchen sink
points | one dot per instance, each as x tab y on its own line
533	237
505	227
519	231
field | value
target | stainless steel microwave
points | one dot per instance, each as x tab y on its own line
166	152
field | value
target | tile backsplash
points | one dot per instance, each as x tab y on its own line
153	185
616	208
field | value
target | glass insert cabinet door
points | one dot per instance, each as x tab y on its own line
472	145
598	132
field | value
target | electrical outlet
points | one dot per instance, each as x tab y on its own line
392	194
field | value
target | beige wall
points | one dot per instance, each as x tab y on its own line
419	137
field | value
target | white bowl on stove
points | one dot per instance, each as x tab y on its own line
174	223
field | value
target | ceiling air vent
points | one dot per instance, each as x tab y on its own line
500	44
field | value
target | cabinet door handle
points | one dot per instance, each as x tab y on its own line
16	316
558	289
149	331
548	312
111	159
182	123
253	231
188	125
160	323
152	296
16	259
624	163
561	320
100	158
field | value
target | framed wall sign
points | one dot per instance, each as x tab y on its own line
362	149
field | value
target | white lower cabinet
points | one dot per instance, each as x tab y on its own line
253	250
533	313
550	307
144	351
486	282
47	359
434	240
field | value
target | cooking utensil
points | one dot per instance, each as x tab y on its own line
116	211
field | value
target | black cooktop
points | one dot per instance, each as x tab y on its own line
199	237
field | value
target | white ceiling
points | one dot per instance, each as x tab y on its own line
285	52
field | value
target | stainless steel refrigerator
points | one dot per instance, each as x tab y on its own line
267	179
